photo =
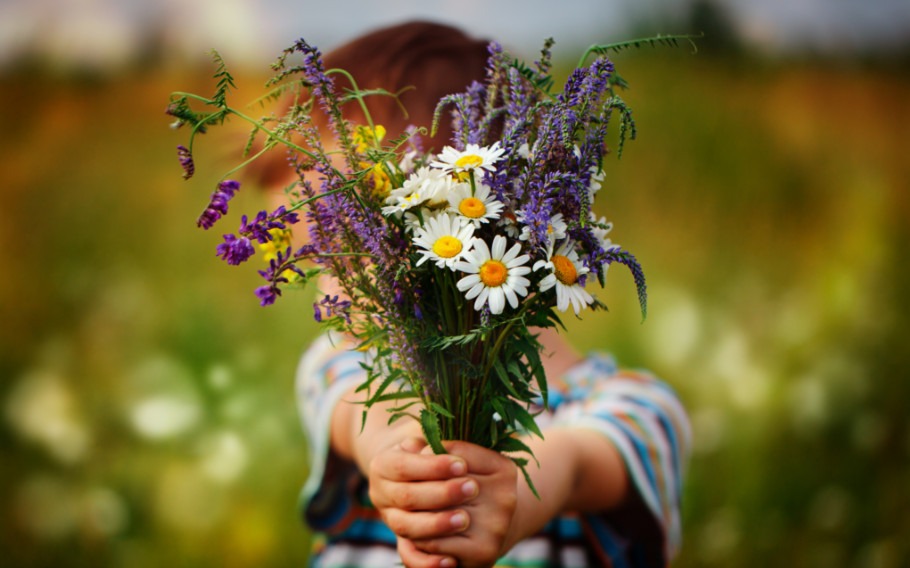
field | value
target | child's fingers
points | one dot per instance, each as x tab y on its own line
470	552
482	461
414	558
425	524
423	495
398	464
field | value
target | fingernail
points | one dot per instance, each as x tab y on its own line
459	520
447	563
469	488
458	467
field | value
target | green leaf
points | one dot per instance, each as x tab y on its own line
520	414
504	377
523	466
512	444
225	80
399	415
665	40
393	396
389	379
431	431
532	354
404	407
439	409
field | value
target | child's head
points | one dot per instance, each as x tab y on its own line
429	60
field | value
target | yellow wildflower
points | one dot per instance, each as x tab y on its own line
366	137
281	240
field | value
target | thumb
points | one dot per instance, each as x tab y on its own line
414	445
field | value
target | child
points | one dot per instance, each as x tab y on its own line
614	441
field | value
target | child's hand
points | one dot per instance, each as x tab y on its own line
419	494
490	533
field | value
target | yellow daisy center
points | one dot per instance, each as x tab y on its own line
472	207
447	246
564	270
469	161
493	273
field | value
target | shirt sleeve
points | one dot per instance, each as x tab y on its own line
644	419
327	370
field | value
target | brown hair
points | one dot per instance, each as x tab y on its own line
431	60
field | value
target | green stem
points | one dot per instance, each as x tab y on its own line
271	134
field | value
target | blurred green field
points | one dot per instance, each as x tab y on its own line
146	409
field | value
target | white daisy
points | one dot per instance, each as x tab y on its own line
445	239
597	178
556	228
600	230
423	186
408	161
494	276
509	223
478	208
565	269
524	151
473	157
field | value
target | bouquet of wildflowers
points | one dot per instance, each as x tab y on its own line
449	264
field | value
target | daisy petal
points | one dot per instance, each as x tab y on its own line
467	281
497	300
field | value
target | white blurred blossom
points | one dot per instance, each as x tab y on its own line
43	409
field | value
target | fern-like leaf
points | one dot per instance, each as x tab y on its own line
225	81
672	40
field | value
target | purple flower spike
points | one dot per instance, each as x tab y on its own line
218	204
186	161
234	250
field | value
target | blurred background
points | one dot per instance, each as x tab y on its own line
146	409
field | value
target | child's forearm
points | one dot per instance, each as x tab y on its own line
580	471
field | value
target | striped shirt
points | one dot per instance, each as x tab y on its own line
639	414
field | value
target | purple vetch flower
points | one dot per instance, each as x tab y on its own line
218	204
258	228
267	294
333	307
235	250
186	161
